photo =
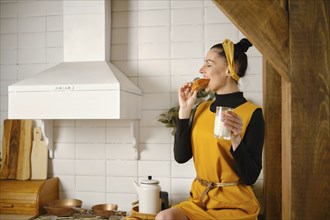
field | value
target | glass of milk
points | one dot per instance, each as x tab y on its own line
220	131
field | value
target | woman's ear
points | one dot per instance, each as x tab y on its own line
227	72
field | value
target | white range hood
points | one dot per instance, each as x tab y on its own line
76	90
86	85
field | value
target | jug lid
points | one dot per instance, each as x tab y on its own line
149	181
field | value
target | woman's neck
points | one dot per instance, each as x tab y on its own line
230	100
230	87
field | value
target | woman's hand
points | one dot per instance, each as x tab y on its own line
235	124
186	100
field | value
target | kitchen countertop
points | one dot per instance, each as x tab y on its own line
91	217
85	215
29	217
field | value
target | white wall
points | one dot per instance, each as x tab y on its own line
159	45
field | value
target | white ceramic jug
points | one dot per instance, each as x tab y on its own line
149	195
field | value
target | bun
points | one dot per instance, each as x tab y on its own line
199	84
244	44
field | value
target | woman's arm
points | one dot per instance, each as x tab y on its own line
248	154
182	141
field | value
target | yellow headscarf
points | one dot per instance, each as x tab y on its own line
228	47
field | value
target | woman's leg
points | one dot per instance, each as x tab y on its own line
171	214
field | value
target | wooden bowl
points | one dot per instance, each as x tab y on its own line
104	210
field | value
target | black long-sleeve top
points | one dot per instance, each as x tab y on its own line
248	155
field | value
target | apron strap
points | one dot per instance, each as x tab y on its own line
209	186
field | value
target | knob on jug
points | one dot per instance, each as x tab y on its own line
149	195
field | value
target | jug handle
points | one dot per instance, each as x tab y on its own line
164	197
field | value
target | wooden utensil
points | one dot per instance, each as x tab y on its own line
39	156
16	149
9	154
24	151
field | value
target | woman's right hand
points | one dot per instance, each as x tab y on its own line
187	100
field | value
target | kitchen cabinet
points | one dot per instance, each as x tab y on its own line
27	197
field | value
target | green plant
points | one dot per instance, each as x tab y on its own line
170	118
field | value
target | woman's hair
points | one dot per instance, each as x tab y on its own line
240	57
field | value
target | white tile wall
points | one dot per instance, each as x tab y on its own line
187	16
159	45
153	18
26	70
8	41
8	25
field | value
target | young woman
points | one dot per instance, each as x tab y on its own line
225	169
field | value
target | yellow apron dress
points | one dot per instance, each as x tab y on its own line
215	164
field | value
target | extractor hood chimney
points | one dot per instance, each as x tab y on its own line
86	85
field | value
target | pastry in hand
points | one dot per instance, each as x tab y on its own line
199	84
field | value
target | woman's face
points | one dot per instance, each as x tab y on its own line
215	68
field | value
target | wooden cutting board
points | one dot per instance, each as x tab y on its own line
39	156
16	149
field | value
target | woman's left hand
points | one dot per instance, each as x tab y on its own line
235	124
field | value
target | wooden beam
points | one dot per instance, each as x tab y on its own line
286	150
284	4
272	109
265	24
309	115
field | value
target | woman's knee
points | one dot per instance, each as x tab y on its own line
162	215
170	214
159	215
